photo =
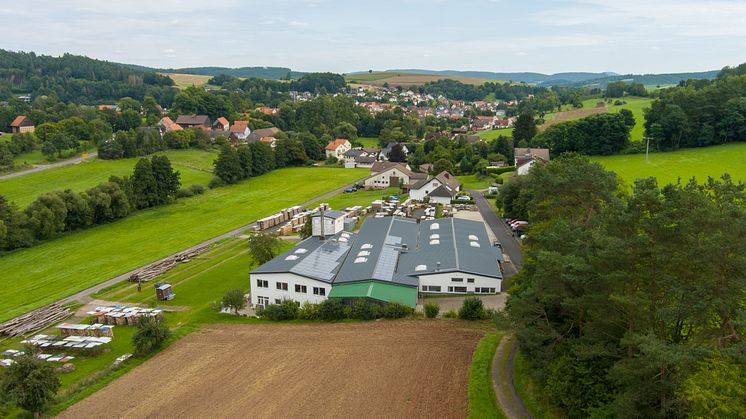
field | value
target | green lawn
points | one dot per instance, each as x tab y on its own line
475	182
32	157
491	135
195	167
368	141
634	104
57	268
361	197
667	167
482	402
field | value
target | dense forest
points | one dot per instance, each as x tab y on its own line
454	89
630	304
699	113
77	79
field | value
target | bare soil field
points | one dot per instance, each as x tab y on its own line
416	368
572	115
407	80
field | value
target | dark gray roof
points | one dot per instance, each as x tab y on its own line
193	120
331	214
443	191
313	258
365	159
353	152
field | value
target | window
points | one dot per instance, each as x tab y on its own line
261	283
301	288
470	280
283	286
431	288
459	289
319	291
278	301
484	290
262	301
457	279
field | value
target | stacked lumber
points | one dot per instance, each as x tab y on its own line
35	320
159	268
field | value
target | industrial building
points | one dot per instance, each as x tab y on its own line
389	259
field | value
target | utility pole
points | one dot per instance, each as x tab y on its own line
647	149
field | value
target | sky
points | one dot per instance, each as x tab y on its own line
623	36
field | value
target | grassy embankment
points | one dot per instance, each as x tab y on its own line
195	166
482	402
60	267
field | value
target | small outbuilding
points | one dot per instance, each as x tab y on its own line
163	291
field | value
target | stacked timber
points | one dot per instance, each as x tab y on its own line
35	320
159	268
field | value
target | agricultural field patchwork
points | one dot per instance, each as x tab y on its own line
68	264
419	367
195	166
668	167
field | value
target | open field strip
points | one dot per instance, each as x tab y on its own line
195	166
634	104
491	135
187	80
69	264
668	167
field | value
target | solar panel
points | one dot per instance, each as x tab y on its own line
322	262
386	265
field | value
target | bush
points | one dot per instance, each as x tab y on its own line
431	310
234	299
184	193
500	170
472	309
309	311
286	310
366	310
215	182
151	333
396	311
333	310
197	189
450	314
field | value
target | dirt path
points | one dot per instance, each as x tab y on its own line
40	167
502	379
383	369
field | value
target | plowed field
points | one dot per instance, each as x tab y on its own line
362	370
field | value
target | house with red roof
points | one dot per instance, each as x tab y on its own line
169	125
21	124
338	148
221	124
240	130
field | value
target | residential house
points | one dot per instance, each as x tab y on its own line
481	123
385	152
22	124
473	139
338	148
388	174
364	162
391	259
194	121
258	134
240	131
168	125
221	124
350	156
462	130
268	111
525	158
441	189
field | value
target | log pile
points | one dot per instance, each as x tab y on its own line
159	268
35	320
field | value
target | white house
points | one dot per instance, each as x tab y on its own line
526	158
386	174
441	189
337	148
240	131
334	222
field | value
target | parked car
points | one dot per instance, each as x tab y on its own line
350	190
518	223
463	198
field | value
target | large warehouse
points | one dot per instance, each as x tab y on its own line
389	259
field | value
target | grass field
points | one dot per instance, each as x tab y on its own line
57	268
195	167
475	182
405	79
32	157
634	104
186	80
368	141
491	135
667	167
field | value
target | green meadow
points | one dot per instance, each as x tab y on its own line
195	166
71	263
634	104
670	166
492	134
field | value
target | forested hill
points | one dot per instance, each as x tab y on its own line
78	79
271	73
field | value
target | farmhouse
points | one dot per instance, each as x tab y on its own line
391	259
167	124
387	174
240	130
441	189
259	134
22	124
338	148
194	121
525	158
221	124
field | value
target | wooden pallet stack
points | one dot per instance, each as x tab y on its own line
35	320
159	268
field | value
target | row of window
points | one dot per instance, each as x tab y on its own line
468	280
438	288
283	286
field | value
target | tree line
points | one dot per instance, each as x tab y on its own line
152	183
630	304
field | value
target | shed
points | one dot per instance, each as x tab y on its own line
163	291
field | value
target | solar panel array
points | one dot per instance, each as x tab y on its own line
386	265
322	262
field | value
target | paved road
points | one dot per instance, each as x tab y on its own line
40	167
503	380
84	295
511	245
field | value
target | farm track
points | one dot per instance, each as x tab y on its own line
42	167
419	368
502	377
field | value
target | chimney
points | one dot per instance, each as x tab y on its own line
437	266
321	220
